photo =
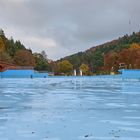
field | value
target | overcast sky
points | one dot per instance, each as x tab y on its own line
64	27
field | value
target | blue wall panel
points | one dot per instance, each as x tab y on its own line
22	74
131	74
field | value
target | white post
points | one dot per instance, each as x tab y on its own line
81	73
74	72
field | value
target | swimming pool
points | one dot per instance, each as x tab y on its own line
69	108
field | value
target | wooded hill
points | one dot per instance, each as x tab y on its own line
97	60
96	57
14	52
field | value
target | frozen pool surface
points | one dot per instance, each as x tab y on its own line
70	108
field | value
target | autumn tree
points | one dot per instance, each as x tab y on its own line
2	45
135	46
111	61
65	67
4	56
131	56
135	55
85	69
24	58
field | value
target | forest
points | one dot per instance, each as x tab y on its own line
100	59
104	58
15	52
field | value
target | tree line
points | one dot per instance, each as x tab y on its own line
100	59
105	58
15	52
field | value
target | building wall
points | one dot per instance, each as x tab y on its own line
22	74
131	74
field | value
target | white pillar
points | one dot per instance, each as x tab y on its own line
74	72
81	73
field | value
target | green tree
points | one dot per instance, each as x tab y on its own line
2	33
12	47
44	55
85	69
97	60
65	67
41	62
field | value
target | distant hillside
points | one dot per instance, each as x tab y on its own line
15	52
99	59
94	57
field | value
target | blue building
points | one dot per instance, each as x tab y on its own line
12	71
22	74
130	73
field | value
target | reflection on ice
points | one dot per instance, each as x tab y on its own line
69	108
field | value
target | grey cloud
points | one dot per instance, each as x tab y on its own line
68	26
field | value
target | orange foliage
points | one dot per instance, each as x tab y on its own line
111	60
24	58
135	46
130	57
2	45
